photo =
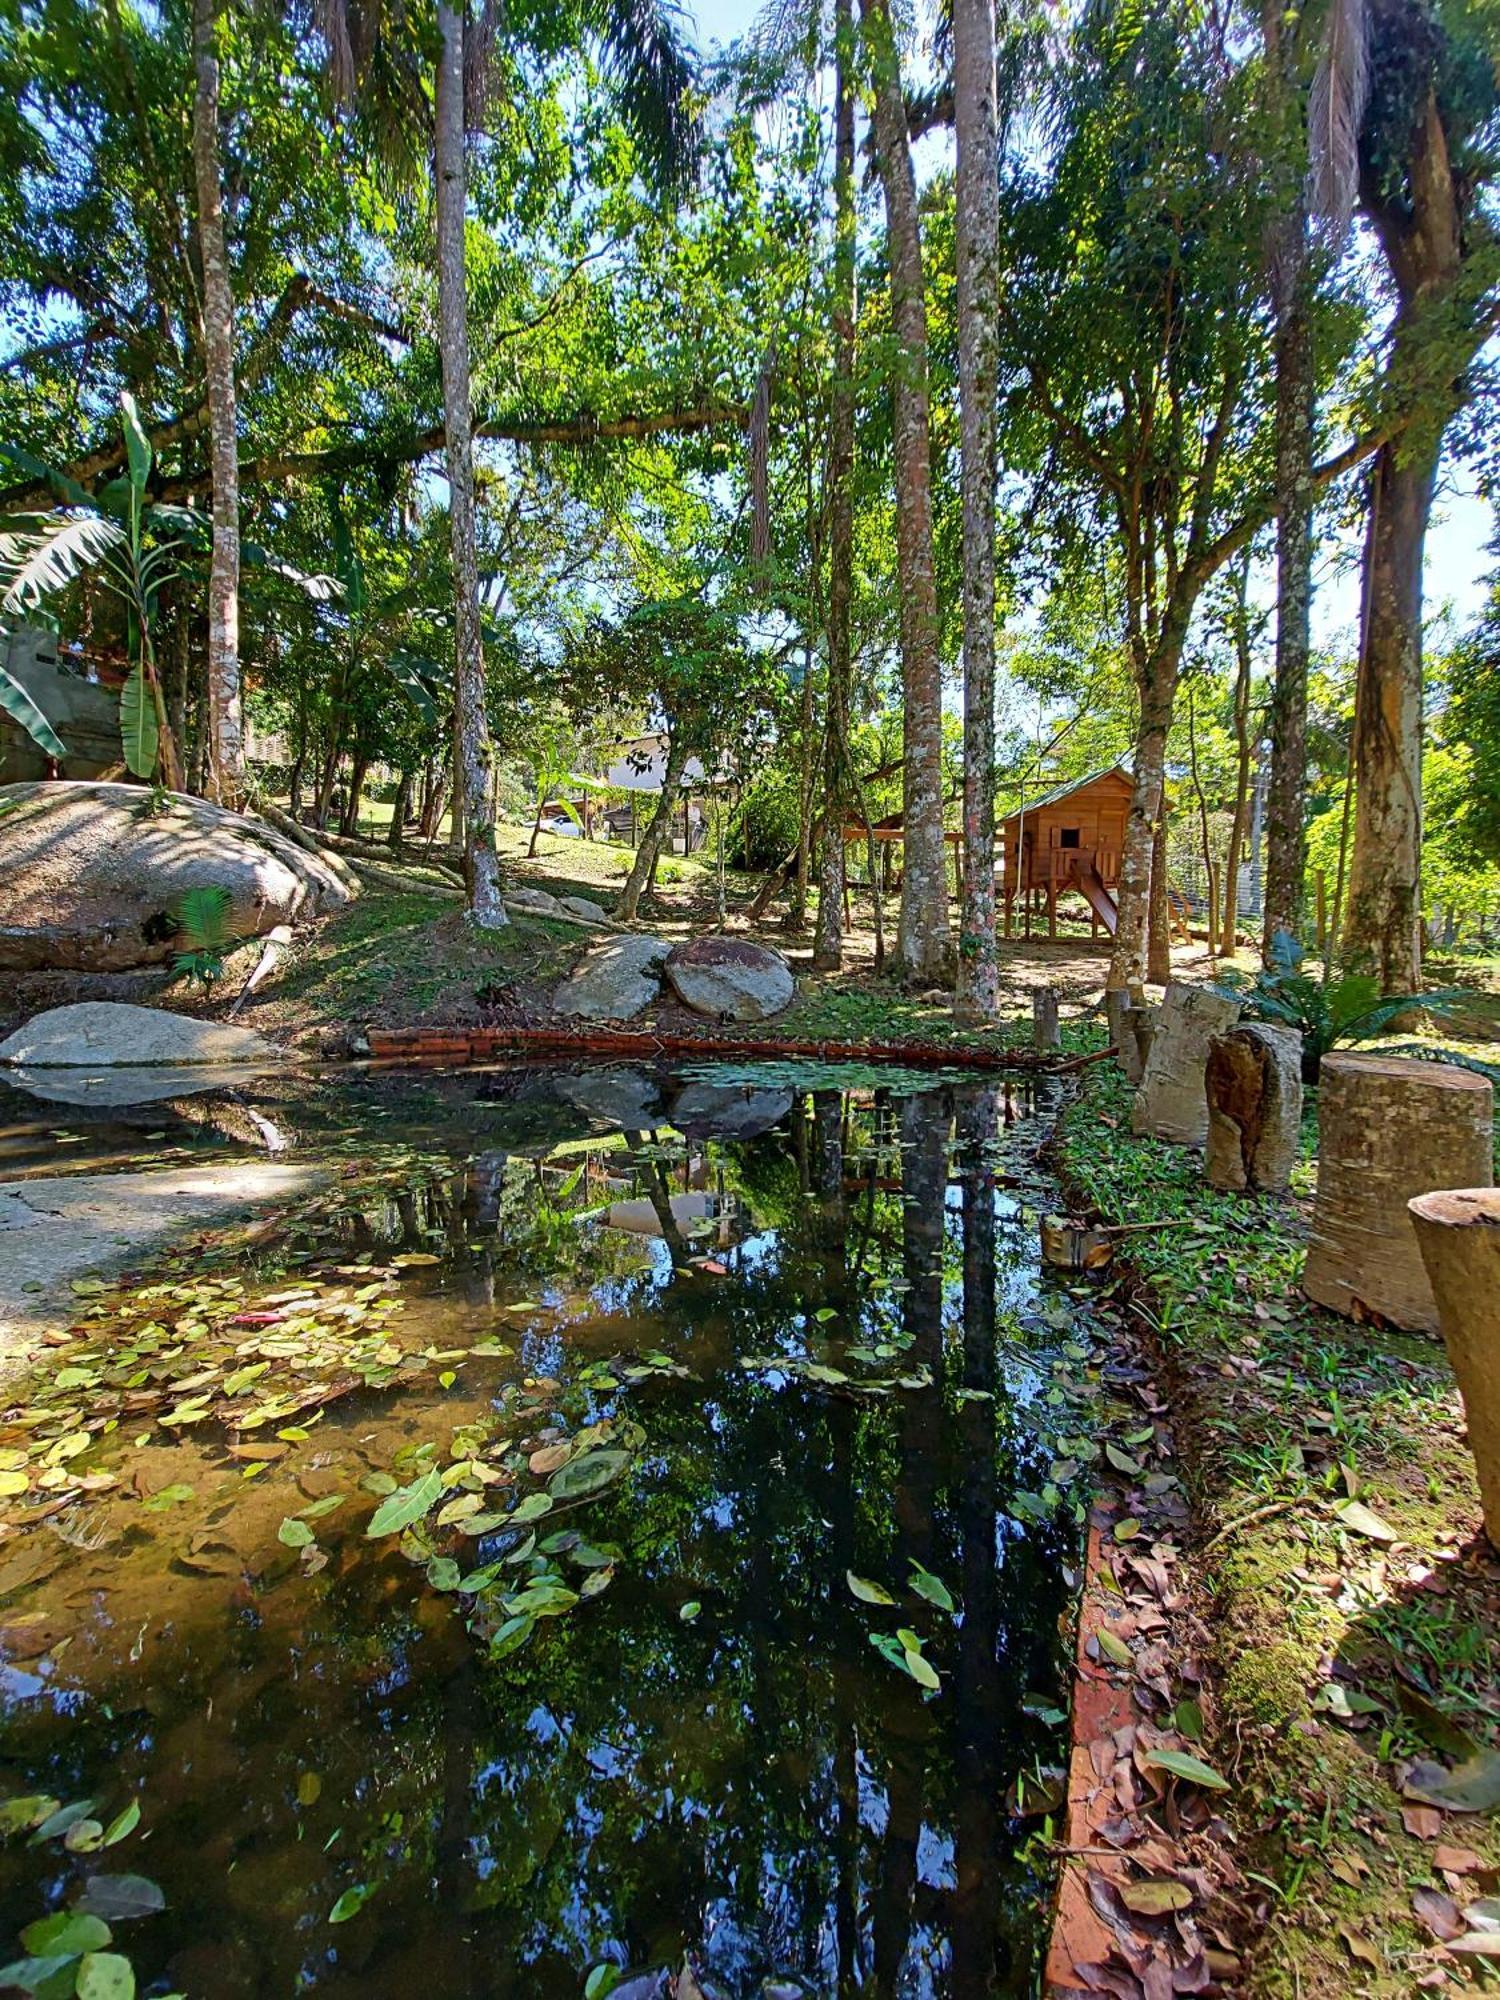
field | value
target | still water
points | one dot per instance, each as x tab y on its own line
722	1344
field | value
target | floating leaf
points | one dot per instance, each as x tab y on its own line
104	1975
443	1573
689	1611
601	1981
587	1474
309	1788
867	1592
116	1897
922	1671
352	1902
531	1508
319	1508
1181	1764
294	1533
65	1934
925	1584
512	1635
405	1505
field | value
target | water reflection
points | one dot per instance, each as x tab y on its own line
754	1783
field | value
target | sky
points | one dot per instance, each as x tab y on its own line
1458	558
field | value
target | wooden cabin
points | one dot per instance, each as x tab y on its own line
1066	839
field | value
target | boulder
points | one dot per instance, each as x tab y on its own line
542	901
730	979
99	1034
1253	1083
622	1096
584	907
616	979
1171	1103
91	877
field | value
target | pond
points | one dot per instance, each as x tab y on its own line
613	1526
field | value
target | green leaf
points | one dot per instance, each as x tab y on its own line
294	1533
1114	1648
405	1505
602	1980
512	1635
531	1508
104	1975
689	1611
352	1902
587	1474
867	1592
66	1933
922	1671
925	1584
1180	1764
443	1573
16	702
50	1978
139	735
137	444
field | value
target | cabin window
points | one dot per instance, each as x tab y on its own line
1070	837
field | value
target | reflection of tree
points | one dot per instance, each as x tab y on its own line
761	1783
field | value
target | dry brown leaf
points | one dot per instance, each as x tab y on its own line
1422	1822
1438	1914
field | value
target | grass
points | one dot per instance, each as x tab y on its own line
1284	1414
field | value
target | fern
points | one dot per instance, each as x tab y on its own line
202	918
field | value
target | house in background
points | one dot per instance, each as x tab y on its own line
639	766
84	710
1067	839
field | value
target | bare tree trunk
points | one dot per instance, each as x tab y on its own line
923	943
1127	965
828	938
400	806
803	871
1159	909
226	748
1243	747
481	864
349	819
977	226
1205	839
643	867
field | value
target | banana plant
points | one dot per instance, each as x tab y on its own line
132	544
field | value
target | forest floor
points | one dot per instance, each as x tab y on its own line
1352	1602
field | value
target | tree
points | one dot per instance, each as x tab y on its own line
225	762
977	248
923	937
1424	158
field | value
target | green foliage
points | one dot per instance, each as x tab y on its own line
1327	1013
202	919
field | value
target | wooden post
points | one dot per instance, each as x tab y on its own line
1458	1234
1390	1129
1045	1031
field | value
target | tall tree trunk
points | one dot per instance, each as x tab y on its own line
977	246
1240	623
643	867
481	864
828	937
1158	691
349	819
1422	238
923	941
400	806
226	747
1159	909
797	918
1286	795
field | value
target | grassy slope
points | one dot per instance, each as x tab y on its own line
1284	1407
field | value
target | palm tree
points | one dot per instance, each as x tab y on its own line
977	251
641	52
224	735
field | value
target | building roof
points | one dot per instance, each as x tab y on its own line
1061	792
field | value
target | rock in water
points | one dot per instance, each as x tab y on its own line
614	980
92	878
99	1034
713	1111
1389	1129
730	979
1253	1081
626	1097
1170	1103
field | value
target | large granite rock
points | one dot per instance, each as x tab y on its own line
729	979
98	1034
585	908
615	980
90	879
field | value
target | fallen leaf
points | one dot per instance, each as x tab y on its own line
1438	1914
1362	1520
1157	1896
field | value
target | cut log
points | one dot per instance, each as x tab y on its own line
1458	1233
1170	1103
1046	1033
1389	1129
1253	1084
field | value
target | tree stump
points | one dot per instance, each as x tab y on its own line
1458	1233
1389	1129
1170	1103
1253	1083
1046	1034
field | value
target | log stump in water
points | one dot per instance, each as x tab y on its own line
1389	1129
1170	1103
1044	1025
1253	1083
1458	1233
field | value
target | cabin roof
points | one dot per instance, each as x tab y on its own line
1113	774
